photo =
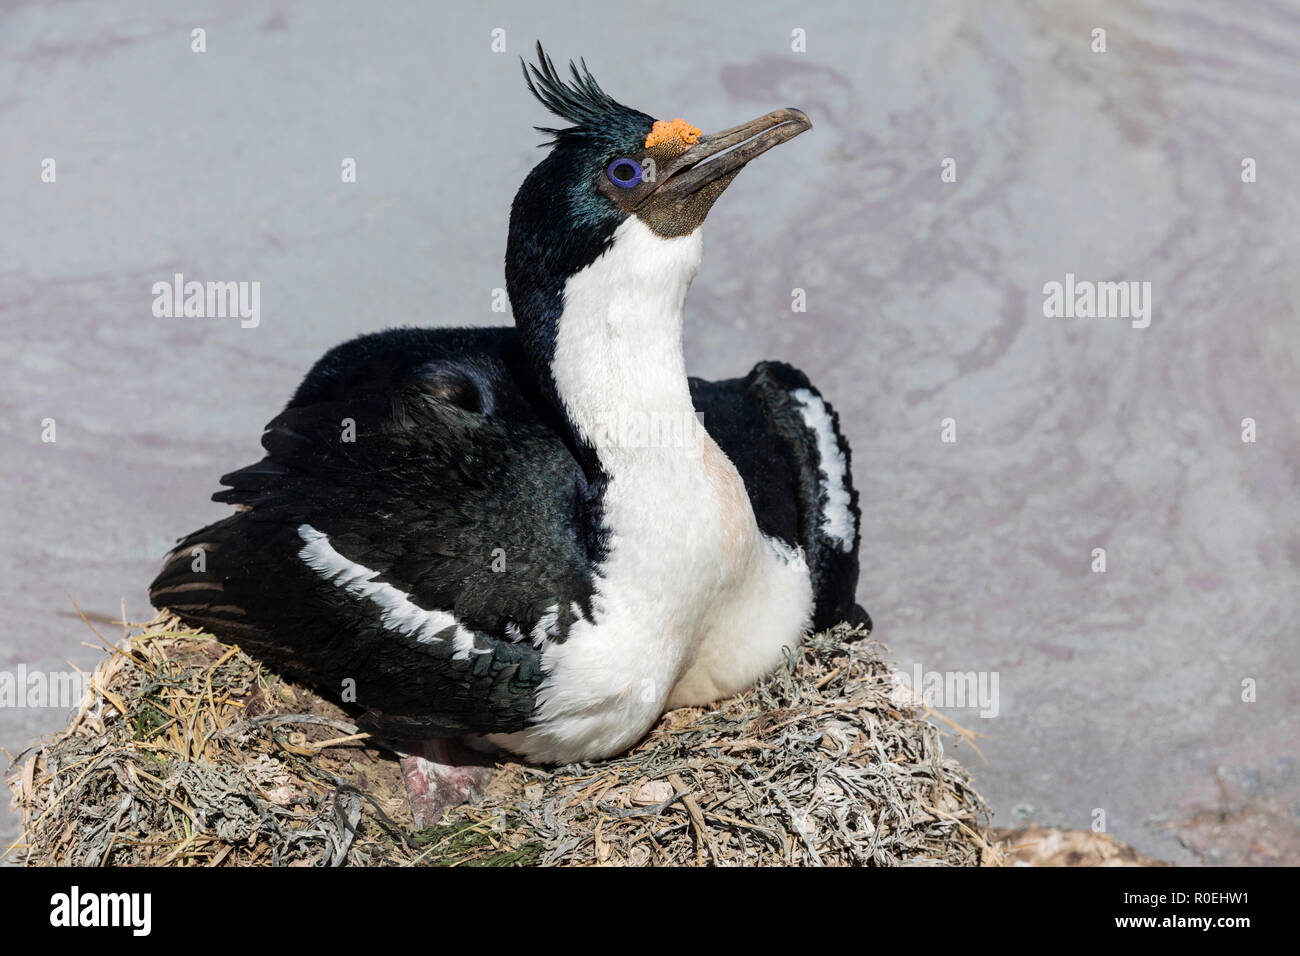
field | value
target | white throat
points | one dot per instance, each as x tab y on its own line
618	363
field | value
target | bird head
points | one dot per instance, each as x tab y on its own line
615	162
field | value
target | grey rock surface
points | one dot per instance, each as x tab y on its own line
1118	691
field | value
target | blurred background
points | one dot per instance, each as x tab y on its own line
1119	691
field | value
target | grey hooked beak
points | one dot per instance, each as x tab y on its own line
718	154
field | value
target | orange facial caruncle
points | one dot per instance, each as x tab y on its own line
673	133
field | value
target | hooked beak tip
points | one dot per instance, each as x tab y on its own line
800	117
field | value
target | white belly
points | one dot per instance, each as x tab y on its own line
694	604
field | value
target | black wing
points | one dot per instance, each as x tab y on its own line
420	457
759	421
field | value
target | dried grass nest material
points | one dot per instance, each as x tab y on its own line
196	755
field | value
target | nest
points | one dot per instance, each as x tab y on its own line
186	752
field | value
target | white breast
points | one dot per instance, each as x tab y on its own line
694	603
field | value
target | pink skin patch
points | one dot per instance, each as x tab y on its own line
441	774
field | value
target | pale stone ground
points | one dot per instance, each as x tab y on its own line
1119	691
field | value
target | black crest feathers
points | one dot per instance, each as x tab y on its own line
595	114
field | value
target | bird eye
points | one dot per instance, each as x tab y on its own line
624	173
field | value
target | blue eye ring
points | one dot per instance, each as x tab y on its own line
624	182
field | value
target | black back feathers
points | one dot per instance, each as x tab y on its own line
596	116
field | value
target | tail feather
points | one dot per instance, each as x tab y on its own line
189	586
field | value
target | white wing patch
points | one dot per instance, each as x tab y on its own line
547	625
837	519
399	613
